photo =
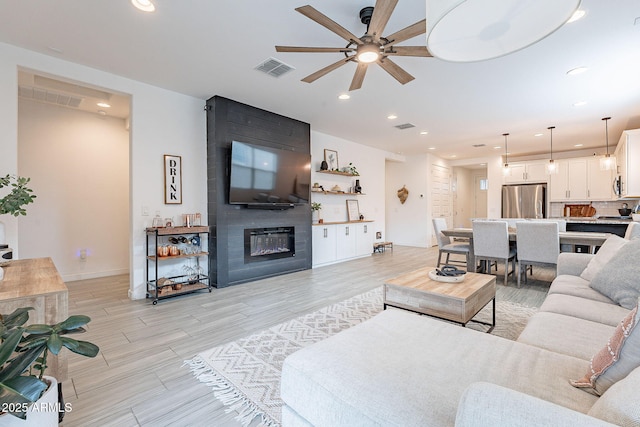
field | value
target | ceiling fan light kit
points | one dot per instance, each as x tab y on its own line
371	48
477	30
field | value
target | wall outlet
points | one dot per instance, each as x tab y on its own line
83	254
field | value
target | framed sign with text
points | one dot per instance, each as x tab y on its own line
172	180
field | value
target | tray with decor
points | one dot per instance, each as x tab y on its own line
447	274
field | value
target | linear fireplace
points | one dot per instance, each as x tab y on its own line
263	244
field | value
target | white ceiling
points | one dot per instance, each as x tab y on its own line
204	48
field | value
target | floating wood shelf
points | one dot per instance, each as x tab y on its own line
337	193
337	173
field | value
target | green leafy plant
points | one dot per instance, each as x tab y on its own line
351	169
19	196
315	206
24	351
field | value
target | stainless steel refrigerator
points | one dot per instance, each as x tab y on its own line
524	201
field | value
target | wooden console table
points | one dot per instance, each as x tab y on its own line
36	283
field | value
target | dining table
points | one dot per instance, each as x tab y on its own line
586	238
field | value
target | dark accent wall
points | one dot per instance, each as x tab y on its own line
227	121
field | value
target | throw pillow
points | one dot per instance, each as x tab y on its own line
615	360
619	279
619	405
607	251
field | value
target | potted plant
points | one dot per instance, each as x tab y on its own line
315	211
13	202
24	351
351	169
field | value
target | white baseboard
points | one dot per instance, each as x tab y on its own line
93	275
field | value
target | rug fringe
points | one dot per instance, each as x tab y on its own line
228	394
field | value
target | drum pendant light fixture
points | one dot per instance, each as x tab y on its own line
476	30
552	168
607	163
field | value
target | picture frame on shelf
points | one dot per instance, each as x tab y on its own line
331	157
353	210
172	180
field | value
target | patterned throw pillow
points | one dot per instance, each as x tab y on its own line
616	360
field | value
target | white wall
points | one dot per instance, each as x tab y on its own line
369	162
78	163
163	122
409	223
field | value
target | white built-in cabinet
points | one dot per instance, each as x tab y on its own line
627	160
580	179
522	172
337	242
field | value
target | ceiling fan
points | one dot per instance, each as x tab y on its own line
372	47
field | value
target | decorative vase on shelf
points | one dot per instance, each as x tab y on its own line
324	166
357	188
315	216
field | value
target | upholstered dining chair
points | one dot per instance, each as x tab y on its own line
633	231
538	244
491	243
445	245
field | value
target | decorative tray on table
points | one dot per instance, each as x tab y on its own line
448	274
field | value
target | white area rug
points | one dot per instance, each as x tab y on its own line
245	374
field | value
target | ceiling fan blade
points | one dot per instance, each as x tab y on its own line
315	76
328	23
381	13
407	33
398	73
313	49
358	77
408	51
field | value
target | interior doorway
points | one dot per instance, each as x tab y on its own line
74	144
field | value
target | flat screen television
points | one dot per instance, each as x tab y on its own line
267	177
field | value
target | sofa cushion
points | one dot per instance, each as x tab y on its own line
619	279
596	311
565	334
607	251
577	286
399	368
616	359
619	405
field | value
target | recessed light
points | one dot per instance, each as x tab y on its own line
431	148
483	164
103	105
453	156
497	147
392	117
344	96
578	14
577	70
538	134
578	145
424	132
579	103
144	5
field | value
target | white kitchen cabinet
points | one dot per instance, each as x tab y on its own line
580	179
339	242
628	158
600	182
570	183
324	244
526	172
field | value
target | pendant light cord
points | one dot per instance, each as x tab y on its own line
551	128
506	149
606	127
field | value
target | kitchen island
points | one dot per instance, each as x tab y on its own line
612	225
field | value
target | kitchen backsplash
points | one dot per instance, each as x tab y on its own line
602	208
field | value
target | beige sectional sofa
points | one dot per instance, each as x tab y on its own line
403	369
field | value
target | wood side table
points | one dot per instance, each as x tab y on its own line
456	302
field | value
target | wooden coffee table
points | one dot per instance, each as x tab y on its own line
456	302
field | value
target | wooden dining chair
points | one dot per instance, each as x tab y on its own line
445	245
491	243
538	244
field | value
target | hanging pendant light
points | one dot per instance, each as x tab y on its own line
607	162
505	169
552	167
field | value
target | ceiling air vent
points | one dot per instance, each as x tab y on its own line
48	96
479	145
273	67
405	126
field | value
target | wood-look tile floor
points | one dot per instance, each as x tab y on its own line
138	378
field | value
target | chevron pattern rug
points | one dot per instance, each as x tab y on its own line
245	374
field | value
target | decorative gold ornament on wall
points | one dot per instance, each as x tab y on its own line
403	193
